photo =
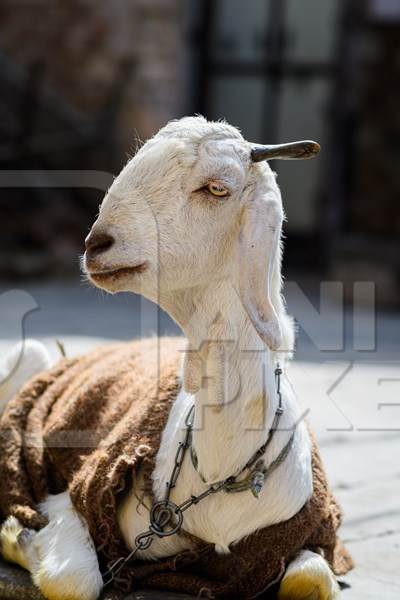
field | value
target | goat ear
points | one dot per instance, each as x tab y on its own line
259	240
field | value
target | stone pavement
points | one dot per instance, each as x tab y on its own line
57	309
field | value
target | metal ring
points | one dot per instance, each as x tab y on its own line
143	541
163	514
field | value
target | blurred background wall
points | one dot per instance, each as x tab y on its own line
83	81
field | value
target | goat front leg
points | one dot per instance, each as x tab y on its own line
309	577
61	557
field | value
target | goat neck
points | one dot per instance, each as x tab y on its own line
230	374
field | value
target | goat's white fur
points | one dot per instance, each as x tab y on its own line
25	360
197	252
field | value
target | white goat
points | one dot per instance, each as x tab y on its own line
193	223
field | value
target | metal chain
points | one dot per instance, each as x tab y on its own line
166	517
142	542
180	454
275	422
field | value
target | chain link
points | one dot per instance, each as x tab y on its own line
142	542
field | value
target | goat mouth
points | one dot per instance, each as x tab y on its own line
100	276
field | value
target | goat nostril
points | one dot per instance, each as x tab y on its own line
97	243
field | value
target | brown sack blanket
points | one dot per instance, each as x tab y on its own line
90	423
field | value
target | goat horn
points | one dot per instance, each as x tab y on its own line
295	150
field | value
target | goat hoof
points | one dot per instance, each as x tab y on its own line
309	577
14	540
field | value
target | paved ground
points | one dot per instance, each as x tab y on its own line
70	308
353	403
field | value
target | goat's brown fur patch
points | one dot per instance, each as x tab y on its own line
90	423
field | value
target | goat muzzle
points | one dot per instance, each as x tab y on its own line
97	243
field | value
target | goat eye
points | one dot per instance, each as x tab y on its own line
217	189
